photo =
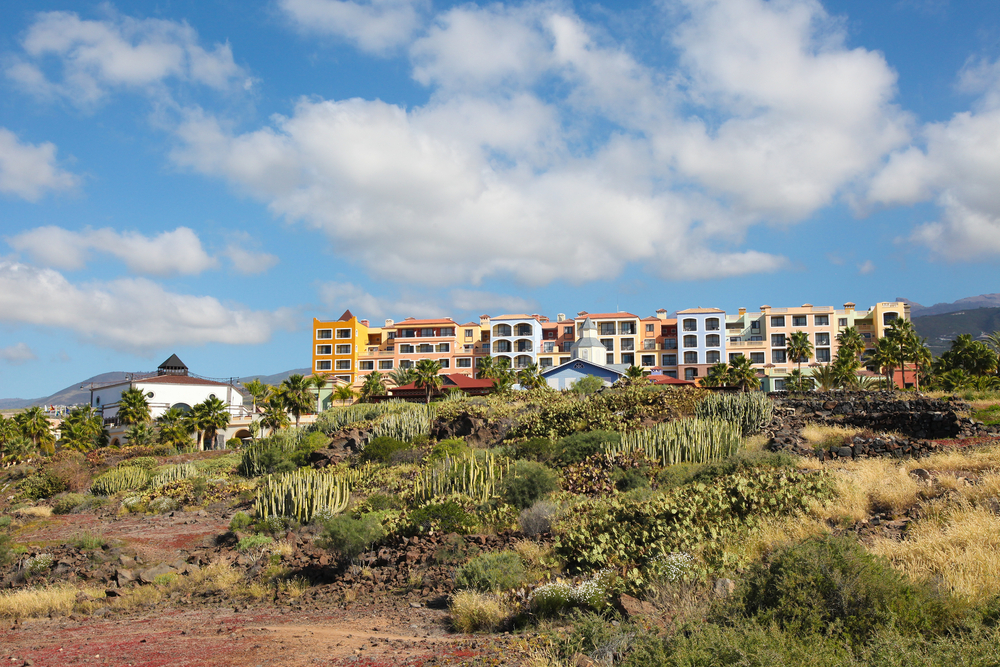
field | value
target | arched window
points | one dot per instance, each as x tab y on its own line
712	324
523	330
690	357
501	330
712	357
712	340
690	341
690	325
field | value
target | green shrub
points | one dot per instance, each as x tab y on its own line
144	462
575	448
234	443
492	572
163	504
446	517
38	565
537	519
67	503
350	536
251	542
451	447
833	586
557	597
527	483
535	449
381	450
42	485
380	502
88	541
117	480
274	525
751	410
240	521
627	480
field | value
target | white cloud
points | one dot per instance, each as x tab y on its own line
957	166
249	262
17	354
27	170
866	267
96	56
487	302
130	313
168	253
348	296
376	26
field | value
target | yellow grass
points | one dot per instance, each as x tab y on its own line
755	443
472	611
818	434
775	532
41	511
958	546
985	458
869	486
36	602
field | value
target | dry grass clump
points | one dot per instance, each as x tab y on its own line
538	559
755	443
956	545
775	532
36	602
976	460
472	611
869	486
40	511
819	435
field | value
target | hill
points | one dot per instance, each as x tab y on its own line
940	330
968	303
74	395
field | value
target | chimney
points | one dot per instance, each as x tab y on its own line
765	309
560	317
364	322
662	313
743	311
484	321
849	307
388	323
582	313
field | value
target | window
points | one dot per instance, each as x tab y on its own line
550	334
425	348
322	350
822	354
649	344
690	357
670	343
344	349
670	374
713	357
407	333
324	334
628	359
447	331
392	335
690	325
406	363
778	356
712	324
842	322
468	334
822	339
568	331
443	347
545	362
501	330
650	328
733	356
385	364
343	378
690	373
607	328
648	360
628	344
669	360
463	362
626	328
778	321
608	343
609	358
405	348
523	330
343	364
548	347
563	360
445	363
821	320
779	385
889	317
343	333
501	346
756	357
324	365
755	325
777	340
427	333
712	340
756	339
366	365
798	320
690	341
524	346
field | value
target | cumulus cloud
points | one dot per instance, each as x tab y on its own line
866	267
490	302
167	253
340	296
249	262
376	26
95	56
17	354
129	313
28	171
957	165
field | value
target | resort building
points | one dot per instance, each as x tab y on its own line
618	332
702	341
516	338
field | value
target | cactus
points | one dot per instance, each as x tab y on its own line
250	459
686	440
336	419
462	475
751	410
405	425
129	478
174	473
302	495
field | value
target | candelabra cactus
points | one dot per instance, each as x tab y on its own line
302	495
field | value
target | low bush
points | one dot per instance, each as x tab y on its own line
535	449
350	536
527	483
492	572
240	521
454	550
71	469
627	480
446	517
42	485
381	450
162	505
252	542
234	443
450	447
575	448
66	503
472	611
379	502
88	541
144	462
558	597
537	519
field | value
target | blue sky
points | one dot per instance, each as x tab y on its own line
205	178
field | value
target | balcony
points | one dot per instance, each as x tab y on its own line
746	345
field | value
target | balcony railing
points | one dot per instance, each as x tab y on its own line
746	344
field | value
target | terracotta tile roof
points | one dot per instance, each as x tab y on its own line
410	322
605	316
469	324
180	379
666	379
456	380
695	311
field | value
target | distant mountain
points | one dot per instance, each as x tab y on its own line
968	303
74	395
940	330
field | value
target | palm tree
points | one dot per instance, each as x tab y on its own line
955	380
827	377
34	425
993	340
904	336
372	386
485	368
8	429
297	396
742	374
529	377
275	415
212	416
83	430
140	434
133	407
717	376
258	392
18	448
850	343
175	429
319	381
916	350
427	376
344	393
798	382
885	355
799	348
403	376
